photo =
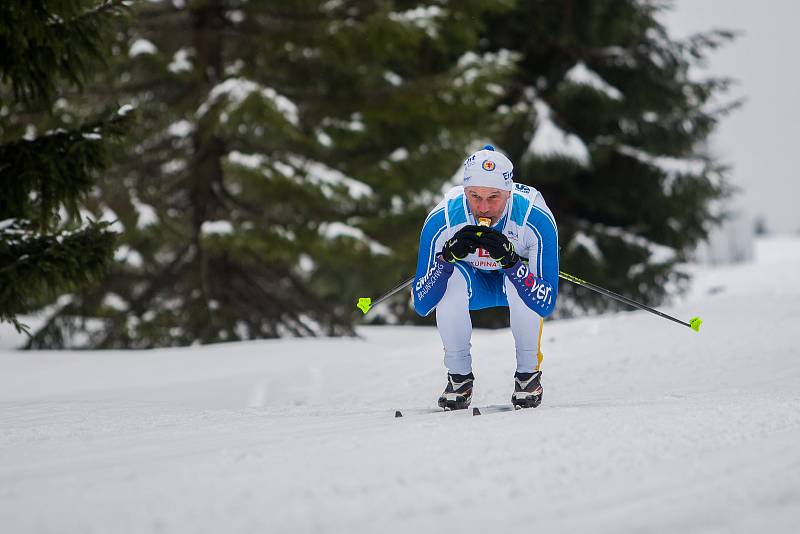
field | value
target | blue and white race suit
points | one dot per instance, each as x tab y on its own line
529	289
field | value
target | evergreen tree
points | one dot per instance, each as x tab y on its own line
605	120
285	158
47	165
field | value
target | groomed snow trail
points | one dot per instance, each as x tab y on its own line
645	427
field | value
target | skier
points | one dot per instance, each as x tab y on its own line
490	242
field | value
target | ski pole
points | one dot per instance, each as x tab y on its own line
365	303
694	323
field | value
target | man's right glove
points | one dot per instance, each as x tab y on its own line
462	244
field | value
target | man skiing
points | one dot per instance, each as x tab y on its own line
488	243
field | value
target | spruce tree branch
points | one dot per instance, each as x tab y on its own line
108	6
299	288
148	11
163	278
284	307
36	341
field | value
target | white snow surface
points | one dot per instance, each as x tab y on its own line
672	167
180	62
216	228
328	178
550	140
146	214
238	89
181	128
142	46
474	65
424	18
338	229
646	426
583	75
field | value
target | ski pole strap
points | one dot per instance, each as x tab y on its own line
694	323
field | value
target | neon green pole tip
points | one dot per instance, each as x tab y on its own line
695	323
364	304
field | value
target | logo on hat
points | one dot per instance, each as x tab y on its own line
488	165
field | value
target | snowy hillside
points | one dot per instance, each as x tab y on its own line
645	427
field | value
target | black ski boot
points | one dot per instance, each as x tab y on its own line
527	390
458	393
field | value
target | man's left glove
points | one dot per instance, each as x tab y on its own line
499	247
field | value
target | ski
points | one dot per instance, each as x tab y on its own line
475	410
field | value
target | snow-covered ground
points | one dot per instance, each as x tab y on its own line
645	427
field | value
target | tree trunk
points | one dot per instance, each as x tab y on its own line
205	167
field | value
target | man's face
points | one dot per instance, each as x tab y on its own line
487	201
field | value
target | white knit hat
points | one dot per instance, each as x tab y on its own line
489	168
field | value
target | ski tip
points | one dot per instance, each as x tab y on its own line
364	304
398	413
476	411
694	323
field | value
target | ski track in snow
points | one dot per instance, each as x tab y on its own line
645	427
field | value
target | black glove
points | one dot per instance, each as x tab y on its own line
498	246
462	244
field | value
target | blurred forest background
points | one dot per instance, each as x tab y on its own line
190	171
